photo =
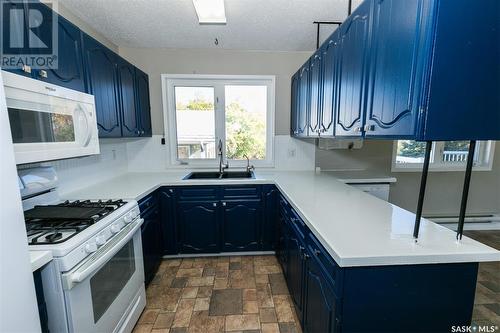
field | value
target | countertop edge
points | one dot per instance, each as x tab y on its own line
39	259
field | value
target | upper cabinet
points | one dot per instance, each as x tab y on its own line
304	91
353	38
128	106
315	99
142	102
411	70
102	82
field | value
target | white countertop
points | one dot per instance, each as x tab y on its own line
362	177
357	229
39	259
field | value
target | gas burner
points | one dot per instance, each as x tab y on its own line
53	237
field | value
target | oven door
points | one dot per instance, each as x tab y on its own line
49	122
106	292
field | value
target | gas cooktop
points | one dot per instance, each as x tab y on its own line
53	224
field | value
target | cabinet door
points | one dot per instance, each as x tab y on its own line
319	301
353	47
241	225
303	106
69	72
329	86
295	271
126	85
168	220
102	82
151	243
315	99
199	227
270	218
396	55
294	105
282	250
143	103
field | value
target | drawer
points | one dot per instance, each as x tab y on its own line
188	193
319	253
148	202
235	192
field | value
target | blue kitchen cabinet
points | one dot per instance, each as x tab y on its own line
398	49
354	37
320	303
329	86
269	226
143	104
127	97
294	105
295	269
283	237
102	82
241	225
199	226
315	94
167	201
304	91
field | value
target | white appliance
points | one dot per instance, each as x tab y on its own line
18	303
49	122
96	283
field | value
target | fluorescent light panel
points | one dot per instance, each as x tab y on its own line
210	11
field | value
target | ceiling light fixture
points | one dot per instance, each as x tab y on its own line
210	11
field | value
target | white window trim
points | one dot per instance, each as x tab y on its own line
438	166
168	81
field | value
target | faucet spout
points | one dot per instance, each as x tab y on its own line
222	166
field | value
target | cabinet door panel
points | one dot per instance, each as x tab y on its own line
270	218
129	117
69	73
396	55
353	46
314	102
151	243
102	82
143	103
329	86
295	270
294	130
319	302
198	223
241	225
168	220
303	106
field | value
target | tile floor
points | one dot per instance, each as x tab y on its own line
219	294
249	294
487	300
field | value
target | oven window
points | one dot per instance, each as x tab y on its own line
38	127
109	281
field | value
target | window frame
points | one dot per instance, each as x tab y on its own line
170	81
484	152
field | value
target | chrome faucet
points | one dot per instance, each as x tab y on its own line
222	166
249	167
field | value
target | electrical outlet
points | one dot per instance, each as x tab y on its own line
291	152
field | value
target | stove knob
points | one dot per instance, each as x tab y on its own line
100	240
115	228
90	247
128	218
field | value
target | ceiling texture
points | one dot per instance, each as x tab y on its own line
274	25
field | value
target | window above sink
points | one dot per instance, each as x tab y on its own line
200	110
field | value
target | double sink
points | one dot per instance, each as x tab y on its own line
220	175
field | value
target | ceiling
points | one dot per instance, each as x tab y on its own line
275	25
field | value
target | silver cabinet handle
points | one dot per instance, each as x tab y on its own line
317	252
214	204
171	191
26	69
369	128
43	73
224	204
357	129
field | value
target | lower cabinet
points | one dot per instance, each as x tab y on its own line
241	225
320	301
167	202
198	223
152	243
295	270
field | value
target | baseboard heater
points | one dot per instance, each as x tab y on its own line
484	218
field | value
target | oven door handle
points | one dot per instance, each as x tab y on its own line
102	256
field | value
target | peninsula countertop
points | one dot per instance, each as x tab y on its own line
357	229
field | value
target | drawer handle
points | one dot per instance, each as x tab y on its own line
317	252
306	256
171	191
214	204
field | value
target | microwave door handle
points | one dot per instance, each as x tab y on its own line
89	128
104	255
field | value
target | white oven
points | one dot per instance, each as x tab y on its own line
49	122
105	292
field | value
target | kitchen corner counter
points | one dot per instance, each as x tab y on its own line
362	177
357	229
39	259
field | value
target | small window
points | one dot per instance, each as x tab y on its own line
409	155
203	110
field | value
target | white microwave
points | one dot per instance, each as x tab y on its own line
49	122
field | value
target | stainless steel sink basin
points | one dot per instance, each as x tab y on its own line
216	175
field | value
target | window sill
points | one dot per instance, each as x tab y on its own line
439	169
